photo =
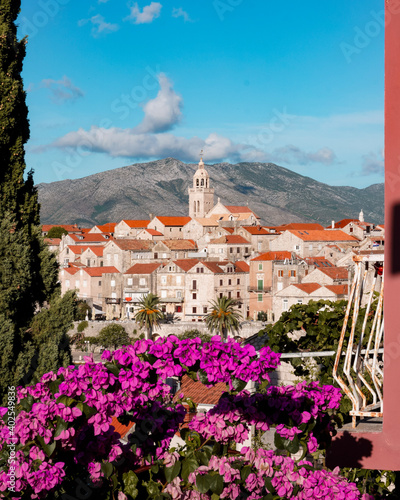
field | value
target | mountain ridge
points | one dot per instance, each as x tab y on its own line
275	193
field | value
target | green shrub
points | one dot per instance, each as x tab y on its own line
82	325
113	336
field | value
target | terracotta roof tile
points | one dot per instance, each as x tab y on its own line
121	429
206	221
174	221
68	227
325	235
77	249
96	249
136	223
237	209
336	273
241	266
90	237
153	232
180	244
107	228
282	255
143	268
255	230
135	245
307	287
338	289
228	229
343	223
300	226
199	393
231	239
99	271
213	267
52	241
319	261
186	264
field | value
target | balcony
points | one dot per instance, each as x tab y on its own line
265	289
171	300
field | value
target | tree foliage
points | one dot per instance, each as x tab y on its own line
28	271
113	336
223	317
149	314
56	232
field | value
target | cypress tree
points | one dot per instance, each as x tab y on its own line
28	272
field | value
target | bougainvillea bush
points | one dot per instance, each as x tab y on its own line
64	445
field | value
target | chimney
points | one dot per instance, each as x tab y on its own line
151	216
333	224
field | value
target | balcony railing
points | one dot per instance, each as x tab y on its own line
265	289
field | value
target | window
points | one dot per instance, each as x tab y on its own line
231	250
142	281
238	281
163	280
99	283
178	309
351	229
194	296
285	304
114	295
67	250
229	295
112	283
246	250
164	255
205	309
221	250
194	285
260	284
237	249
77	283
199	269
194	310
101	263
221	282
229	282
130	281
259	297
88	262
178	294
84	282
221	295
299	301
297	247
163	294
292	273
238	295
260	267
178	280
280	273
155	255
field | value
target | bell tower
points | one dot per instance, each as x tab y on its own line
201	196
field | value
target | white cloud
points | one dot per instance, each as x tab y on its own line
179	12
99	25
147	15
373	164
293	154
164	111
62	90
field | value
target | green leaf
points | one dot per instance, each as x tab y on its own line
112	368
268	485
217	484
279	442
245	472
47	448
189	465
54	385
155	468
107	469
172	472
203	483
62	425
66	400
292	446
130	480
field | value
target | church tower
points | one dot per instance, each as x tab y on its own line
201	196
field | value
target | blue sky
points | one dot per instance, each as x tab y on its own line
111	82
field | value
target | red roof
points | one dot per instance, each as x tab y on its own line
52	241
307	287
71	270
213	267
231	239
107	228
255	230
319	261
136	223
174	221
99	271
121	429
228	229
237	209
153	232
186	264
300	226
241	266
343	223
134	245
336	273
199	393
284	254
180	244
324	235
77	249
90	237
96	249
143	268
338	289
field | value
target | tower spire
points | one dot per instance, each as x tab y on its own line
201	163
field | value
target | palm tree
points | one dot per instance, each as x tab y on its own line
223	317
149	314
